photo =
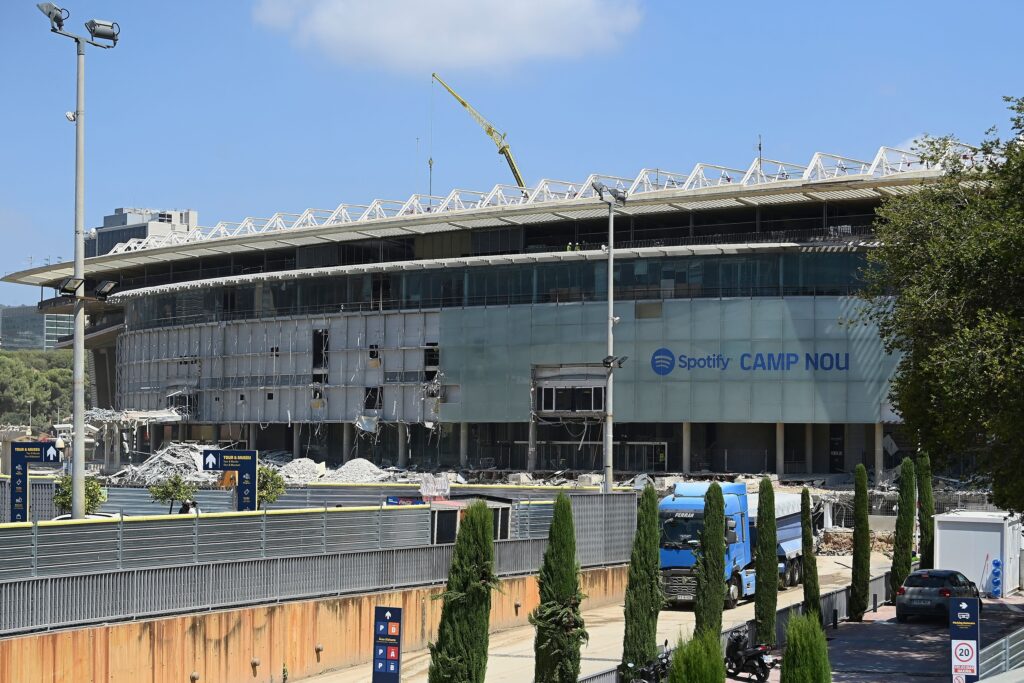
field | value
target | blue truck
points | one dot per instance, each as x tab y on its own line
681	518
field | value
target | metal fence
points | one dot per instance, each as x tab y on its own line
884	504
113	590
1003	655
834	605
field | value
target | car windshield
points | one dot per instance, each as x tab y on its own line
678	528
926	581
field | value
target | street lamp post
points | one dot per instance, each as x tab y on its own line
612	197
106	31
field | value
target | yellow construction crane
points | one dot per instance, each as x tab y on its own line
492	133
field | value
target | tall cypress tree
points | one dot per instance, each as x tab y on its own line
905	515
812	593
766	564
711	564
926	511
559	624
699	660
806	657
644	597
861	578
460	653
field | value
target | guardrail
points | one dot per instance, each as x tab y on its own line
1006	654
834	605
115	591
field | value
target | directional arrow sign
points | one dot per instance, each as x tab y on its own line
22	452
387	644
52	454
243	462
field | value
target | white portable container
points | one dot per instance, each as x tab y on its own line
984	546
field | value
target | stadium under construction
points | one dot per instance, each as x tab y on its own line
470	329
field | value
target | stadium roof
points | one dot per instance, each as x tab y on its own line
826	177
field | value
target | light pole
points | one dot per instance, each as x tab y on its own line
29	417
612	197
75	285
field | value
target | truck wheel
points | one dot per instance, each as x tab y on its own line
732	597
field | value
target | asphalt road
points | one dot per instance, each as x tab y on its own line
880	650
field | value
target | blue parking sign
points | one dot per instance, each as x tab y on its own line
387	644
964	638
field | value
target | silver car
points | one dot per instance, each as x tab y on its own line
926	593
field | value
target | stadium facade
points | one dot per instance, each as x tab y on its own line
471	328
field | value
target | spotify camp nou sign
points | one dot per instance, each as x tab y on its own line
664	361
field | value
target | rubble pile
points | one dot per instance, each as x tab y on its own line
185	459
840	542
301	471
356	471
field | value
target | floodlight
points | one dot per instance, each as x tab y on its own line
56	15
105	287
101	29
615	193
70	285
71	116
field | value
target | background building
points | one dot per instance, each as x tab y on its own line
127	223
470	328
25	327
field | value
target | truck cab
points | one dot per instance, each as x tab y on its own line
681	518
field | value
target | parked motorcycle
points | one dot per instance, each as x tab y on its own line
741	658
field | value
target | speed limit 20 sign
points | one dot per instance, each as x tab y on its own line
964	637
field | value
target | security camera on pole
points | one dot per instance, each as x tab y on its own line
612	196
108	32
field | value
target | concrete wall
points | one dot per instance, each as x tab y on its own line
220	646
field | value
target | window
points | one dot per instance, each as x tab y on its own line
275	351
320	377
374	351
318	394
431	356
373	399
571	399
321	347
270	395
241	398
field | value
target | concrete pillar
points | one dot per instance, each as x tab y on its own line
346	441
115	457
879	452
181	431
403	444
687	453
531	447
463	444
254	430
780	449
155	432
809	448
296	439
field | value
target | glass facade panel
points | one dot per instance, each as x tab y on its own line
808	273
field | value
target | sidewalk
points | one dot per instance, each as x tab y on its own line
511	652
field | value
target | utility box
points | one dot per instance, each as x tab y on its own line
984	546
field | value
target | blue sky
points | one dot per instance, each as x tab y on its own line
250	107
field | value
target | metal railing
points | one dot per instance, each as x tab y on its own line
1006	654
118	589
834	606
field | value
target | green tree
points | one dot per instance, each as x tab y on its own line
95	495
699	660
905	514
171	491
861	578
557	619
40	377
711	586
644	597
806	657
460	653
269	485
812	593
946	288
926	510
766	565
